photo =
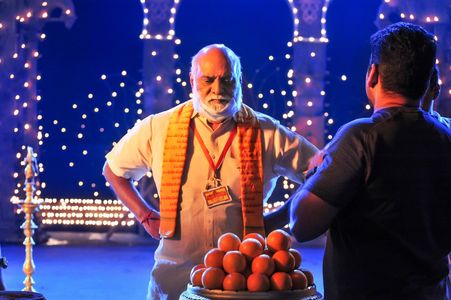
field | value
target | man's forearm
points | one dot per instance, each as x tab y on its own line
127	193
277	218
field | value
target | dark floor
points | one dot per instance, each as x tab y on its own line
85	266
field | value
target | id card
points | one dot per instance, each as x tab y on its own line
216	196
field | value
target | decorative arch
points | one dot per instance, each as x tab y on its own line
21	23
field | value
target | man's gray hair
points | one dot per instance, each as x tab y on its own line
234	60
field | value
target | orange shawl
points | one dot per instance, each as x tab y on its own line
251	170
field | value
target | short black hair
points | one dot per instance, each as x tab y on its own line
405	55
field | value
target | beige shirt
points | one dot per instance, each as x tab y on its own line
285	153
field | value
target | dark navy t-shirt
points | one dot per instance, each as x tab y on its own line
390	176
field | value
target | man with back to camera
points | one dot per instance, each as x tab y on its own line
384	187
212	142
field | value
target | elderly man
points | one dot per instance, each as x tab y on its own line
215	162
383	189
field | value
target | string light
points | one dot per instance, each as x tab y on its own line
86	212
297	38
169	35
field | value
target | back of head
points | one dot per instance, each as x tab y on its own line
405	54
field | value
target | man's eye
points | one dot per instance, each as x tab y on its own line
208	80
227	79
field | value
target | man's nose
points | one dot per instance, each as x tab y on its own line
217	86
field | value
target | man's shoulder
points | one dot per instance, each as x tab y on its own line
266	120
357	126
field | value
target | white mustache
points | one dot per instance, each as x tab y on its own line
209	98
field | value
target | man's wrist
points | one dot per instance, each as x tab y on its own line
151	215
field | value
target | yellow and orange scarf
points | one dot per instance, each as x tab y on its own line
251	170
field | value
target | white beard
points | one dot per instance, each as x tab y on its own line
217	112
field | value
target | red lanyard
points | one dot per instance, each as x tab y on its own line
214	166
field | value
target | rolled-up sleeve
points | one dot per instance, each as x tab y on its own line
292	153
131	157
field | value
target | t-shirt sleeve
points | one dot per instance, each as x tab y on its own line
292	153
342	171
131	157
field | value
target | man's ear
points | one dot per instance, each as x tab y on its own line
191	79
372	76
